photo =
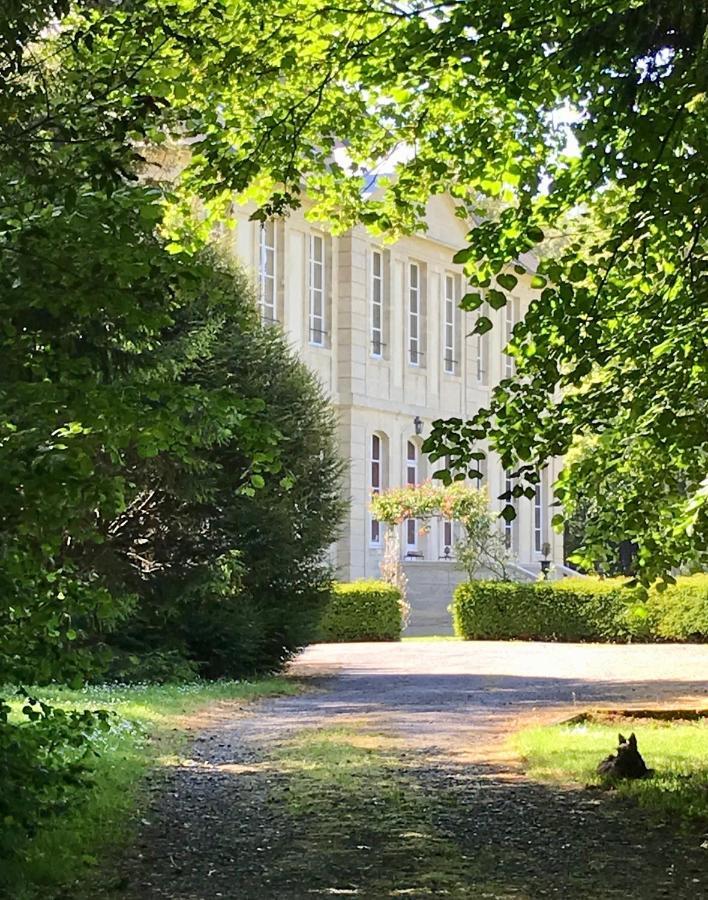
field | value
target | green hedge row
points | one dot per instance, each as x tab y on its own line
363	611
580	610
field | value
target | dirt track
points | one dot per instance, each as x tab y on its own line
438	809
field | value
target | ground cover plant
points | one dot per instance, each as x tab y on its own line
575	609
677	751
145	725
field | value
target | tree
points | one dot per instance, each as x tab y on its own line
119	424
485	96
484	100
235	579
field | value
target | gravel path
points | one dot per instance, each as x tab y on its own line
464	823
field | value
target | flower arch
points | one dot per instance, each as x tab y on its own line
482	544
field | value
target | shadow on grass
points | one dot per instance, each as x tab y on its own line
349	811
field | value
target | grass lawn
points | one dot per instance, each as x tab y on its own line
677	751
150	725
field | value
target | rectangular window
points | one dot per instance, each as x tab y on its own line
375	475
317	290
377	301
449	361
509	527
412	463
481	466
481	352
267	271
538	535
448	538
414	352
508	330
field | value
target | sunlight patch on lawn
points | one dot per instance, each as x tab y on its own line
677	751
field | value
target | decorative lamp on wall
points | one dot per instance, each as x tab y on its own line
418	425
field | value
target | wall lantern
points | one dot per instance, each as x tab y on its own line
418	425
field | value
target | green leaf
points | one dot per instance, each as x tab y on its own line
471	301
463	256
535	234
507	281
482	325
508	513
496	299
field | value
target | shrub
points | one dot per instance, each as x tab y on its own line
43	761
680	613
363	611
571	610
580	610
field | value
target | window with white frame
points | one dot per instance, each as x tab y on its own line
481	466
377	304
447	526
411	478
539	534
414	314
316	288
509	367
267	275
481	352
509	527
450	308
375	484
447	537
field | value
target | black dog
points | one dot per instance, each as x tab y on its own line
627	763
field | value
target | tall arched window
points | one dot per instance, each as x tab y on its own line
411	478
376	462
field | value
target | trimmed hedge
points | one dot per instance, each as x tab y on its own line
680	613
580	610
363	611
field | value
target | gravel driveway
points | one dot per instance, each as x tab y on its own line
221	823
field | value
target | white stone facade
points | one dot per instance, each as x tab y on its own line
377	323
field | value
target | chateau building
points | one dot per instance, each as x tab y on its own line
381	327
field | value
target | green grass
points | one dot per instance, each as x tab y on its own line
149	726
677	751
365	822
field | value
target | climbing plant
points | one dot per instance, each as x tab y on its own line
480	545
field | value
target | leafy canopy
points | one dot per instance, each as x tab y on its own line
477	98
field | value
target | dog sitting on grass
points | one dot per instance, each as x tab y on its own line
626	763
